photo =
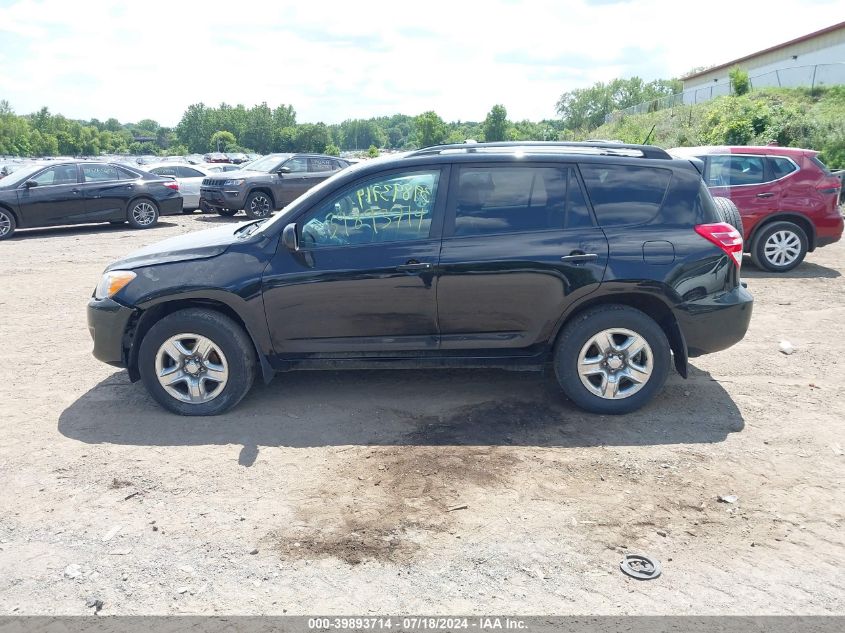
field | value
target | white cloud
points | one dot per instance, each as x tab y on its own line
333	61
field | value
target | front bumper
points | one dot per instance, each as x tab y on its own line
715	322
221	197
107	321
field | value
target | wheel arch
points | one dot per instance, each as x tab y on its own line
650	305
14	213
796	218
146	318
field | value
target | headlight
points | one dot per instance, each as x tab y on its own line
112	282
236	182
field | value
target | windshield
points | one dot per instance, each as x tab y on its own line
266	164
20	174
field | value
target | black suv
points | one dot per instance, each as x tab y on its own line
601	260
268	183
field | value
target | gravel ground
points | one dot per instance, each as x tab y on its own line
453	492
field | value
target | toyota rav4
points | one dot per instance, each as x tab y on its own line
607	262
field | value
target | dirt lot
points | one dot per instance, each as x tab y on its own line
343	482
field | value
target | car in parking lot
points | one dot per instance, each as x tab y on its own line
606	262
787	198
268	183
189	178
79	192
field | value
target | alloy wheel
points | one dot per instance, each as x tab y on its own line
260	206
191	368
615	363
5	224
144	213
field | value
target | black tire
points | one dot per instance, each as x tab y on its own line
7	224
785	233
142	213
223	332
729	213
227	212
576	336
258	205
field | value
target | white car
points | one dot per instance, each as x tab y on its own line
189	178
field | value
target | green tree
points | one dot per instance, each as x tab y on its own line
429	129
372	152
740	81
223	141
332	150
194	128
496	124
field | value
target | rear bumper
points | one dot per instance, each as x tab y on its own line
170	206
715	323
107	321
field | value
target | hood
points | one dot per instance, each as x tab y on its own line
241	173
197	245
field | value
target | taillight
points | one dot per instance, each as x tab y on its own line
725	237
172	185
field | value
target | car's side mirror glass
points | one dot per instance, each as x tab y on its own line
290	238
30	183
284	170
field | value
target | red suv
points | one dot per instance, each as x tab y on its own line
788	199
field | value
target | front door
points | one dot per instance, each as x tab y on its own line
363	279
56	197
746	180
519	246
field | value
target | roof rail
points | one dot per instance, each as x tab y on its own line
609	149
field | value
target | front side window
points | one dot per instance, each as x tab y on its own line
99	173
58	175
625	194
297	165
508	199
392	208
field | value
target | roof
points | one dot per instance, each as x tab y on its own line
770	150
797	40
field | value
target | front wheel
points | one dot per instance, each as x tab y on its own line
612	359
779	247
7	224
197	362
258	205
142	214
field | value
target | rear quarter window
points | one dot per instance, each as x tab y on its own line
625	194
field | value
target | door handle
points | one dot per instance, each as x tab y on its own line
765	195
74	190
579	258
413	266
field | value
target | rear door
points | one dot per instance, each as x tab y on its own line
55	199
295	182
190	180
106	194
519	246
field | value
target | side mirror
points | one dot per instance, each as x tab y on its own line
284	170
289	237
30	183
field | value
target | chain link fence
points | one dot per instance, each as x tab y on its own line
797	77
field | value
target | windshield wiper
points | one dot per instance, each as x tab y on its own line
249	228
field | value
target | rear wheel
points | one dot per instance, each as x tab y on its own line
779	247
729	213
7	224
612	359
197	362
258	205
142	214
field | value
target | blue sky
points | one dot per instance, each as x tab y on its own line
338	60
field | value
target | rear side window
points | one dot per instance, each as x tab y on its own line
506	199
188	172
99	173
164	171
781	166
320	164
624	194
